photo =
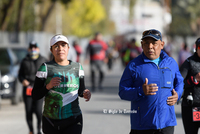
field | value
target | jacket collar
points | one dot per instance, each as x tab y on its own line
196	57
163	55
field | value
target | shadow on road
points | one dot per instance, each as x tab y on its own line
178	115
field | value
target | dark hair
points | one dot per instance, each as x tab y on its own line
185	46
75	42
133	40
197	42
97	33
33	44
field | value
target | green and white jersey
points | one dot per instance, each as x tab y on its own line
61	101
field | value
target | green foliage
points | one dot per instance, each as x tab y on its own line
29	22
185	17
79	17
11	18
82	16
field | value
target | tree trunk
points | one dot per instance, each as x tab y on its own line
19	20
45	17
19	16
7	9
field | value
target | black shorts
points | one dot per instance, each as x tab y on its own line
71	125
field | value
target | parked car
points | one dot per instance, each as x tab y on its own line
10	58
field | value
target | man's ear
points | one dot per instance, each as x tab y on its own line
162	44
141	44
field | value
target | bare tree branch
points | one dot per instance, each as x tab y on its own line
45	17
7	9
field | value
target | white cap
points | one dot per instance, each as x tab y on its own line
58	38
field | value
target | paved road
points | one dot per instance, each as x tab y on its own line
105	113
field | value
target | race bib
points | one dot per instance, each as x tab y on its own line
196	113
29	90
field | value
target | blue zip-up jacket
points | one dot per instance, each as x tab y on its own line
152	111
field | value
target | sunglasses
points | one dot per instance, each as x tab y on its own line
152	32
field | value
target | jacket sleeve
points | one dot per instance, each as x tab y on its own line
127	90
178	83
21	73
189	80
39	89
81	87
81	81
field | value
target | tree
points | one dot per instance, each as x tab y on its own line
106	25
45	15
81	17
185	18
6	9
131	5
78	17
194	11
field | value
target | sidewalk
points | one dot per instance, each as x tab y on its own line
101	114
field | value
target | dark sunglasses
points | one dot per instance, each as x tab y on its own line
152	32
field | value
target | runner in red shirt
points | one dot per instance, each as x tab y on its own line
97	51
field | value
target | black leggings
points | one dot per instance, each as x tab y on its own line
32	106
190	127
71	125
166	130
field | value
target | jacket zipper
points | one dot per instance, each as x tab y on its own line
159	96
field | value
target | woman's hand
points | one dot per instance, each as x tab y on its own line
86	94
54	82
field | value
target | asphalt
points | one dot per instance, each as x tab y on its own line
105	113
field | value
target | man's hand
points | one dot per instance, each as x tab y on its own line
149	89
54	82
86	94
172	99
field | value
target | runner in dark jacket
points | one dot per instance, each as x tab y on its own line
28	69
190	71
